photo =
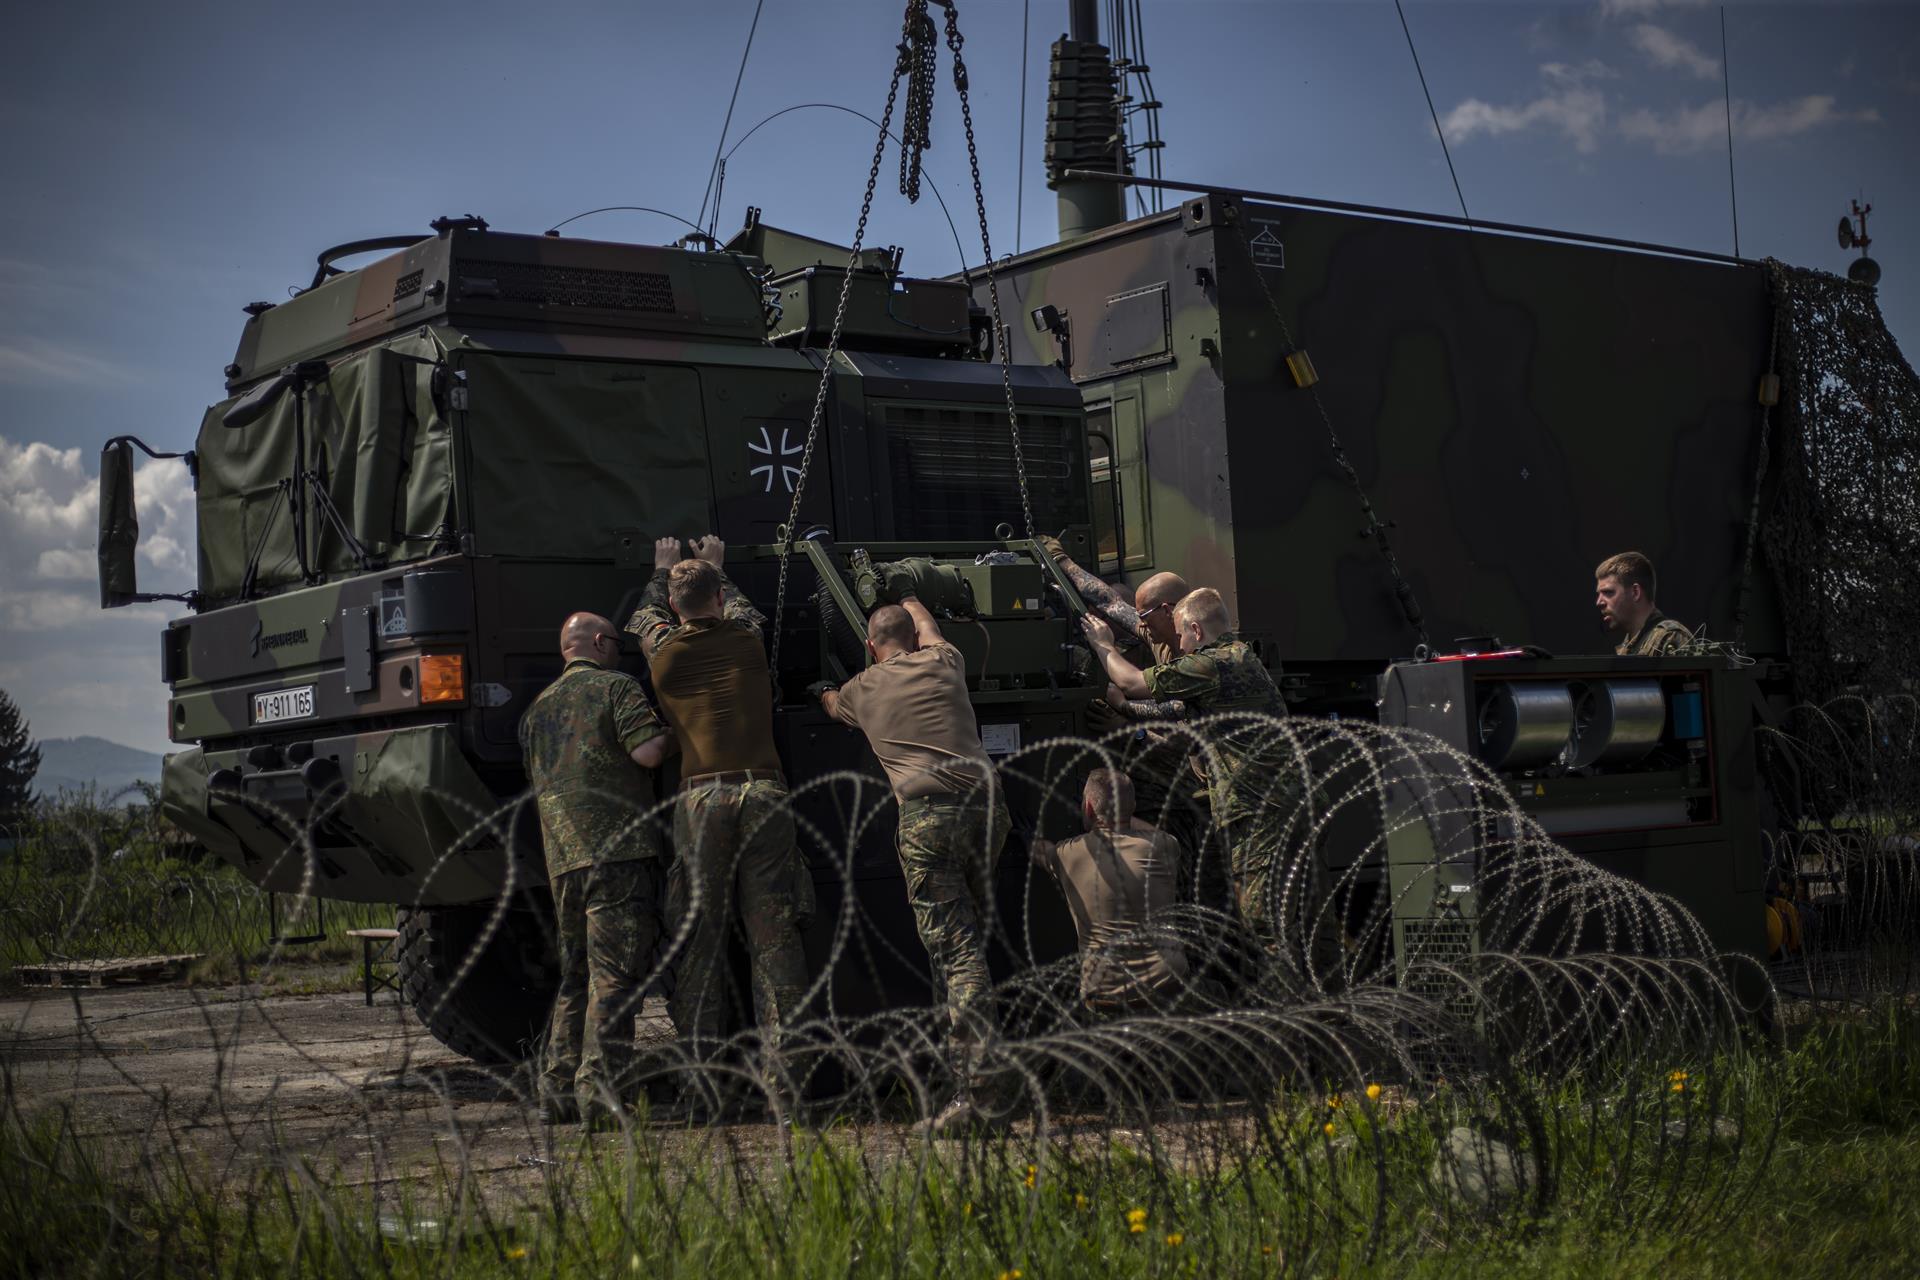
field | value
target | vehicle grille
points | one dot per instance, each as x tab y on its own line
576	286
953	474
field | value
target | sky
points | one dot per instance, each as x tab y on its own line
166	165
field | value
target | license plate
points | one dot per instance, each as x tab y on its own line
283	704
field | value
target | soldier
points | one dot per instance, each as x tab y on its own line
1149	619
1253	787
912	705
1120	880
733	834
1623	589
592	746
1159	756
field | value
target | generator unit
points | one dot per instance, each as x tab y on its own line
1644	767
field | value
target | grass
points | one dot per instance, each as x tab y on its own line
94	881
1825	1191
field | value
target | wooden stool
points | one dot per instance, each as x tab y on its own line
376	947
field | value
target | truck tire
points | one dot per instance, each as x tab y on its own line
484	996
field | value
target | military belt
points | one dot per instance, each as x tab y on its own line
728	777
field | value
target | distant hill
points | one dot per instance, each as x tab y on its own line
70	764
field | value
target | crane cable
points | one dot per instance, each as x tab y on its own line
915	63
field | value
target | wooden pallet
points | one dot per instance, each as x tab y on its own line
129	971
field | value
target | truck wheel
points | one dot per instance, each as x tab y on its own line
483	995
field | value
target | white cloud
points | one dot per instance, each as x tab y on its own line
1577	73
1705	126
73	667
1630	8
1665	49
1577	112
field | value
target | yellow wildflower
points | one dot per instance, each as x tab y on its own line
966	1210
1079	1201
1014	1274
1266	1251
516	1253
1136	1221
1333	1100
1328	1128
1679	1086
1373	1093
1137	1228
1033	1171
1676	1075
1175	1239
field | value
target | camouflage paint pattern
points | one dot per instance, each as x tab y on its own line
596	804
1658	636
949	848
736	865
607	918
1483	386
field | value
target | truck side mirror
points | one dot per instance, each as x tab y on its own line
119	526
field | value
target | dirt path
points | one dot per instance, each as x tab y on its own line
364	1095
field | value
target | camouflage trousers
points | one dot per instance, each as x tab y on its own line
735	863
608	920
948	850
1258	813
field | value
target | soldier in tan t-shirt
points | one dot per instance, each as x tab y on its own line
912	705
1121	880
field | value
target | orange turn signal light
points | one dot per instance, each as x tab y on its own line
443	677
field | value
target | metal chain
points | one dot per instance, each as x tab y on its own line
918	51
902	67
1409	603
954	41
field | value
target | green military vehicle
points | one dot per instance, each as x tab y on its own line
425	463
1387	438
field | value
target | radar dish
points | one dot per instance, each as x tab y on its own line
1846	233
1864	271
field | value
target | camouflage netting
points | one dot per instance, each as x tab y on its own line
1843	532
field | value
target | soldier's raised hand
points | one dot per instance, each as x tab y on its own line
666	552
1099	634
709	548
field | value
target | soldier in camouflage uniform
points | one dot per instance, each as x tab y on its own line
1623	590
736	863
1252	778
592	746
912	704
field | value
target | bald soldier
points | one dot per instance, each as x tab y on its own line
1249	762
735	860
592	747
1148	620
912	704
1121	882
1623	590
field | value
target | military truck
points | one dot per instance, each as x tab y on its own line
425	462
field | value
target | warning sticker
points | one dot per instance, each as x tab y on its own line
1267	249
